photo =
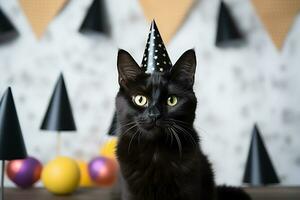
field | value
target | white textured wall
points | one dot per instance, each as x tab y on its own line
235	87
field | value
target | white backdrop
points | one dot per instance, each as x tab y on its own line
235	87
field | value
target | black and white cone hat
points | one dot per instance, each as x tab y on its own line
156	58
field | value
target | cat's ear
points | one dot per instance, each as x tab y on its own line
185	67
127	67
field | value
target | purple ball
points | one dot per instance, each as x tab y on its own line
103	171
24	172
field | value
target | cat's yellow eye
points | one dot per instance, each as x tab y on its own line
140	100
172	100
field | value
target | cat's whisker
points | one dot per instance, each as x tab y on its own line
182	123
187	125
123	134
193	141
132	137
182	127
169	134
178	142
139	137
123	126
172	138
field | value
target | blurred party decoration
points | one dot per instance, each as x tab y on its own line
103	171
59	115
259	168
41	12
228	33
113	126
7	29
85	179
96	19
61	176
169	14
24	172
277	17
12	145
109	148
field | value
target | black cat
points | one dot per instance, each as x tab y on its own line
158	148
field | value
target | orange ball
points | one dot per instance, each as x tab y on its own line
85	179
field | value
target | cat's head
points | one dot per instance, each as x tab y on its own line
151	103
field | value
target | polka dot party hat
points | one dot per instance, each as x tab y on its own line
156	58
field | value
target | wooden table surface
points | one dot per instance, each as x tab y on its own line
257	193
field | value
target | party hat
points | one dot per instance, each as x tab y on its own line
259	168
227	30
59	116
156	58
12	145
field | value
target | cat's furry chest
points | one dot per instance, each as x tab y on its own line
156	172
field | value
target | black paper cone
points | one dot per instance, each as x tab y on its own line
96	19
227	32
259	168
7	30
156	58
12	145
113	126
59	116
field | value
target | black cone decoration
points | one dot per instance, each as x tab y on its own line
156	58
59	115
12	145
7	30
96	19
227	32
259	168
112	131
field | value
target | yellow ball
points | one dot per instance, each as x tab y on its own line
109	148
61	175
85	179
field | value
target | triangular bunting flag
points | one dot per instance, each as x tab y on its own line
7	30
277	17
96	19
12	145
259	168
59	116
228	33
40	13
168	14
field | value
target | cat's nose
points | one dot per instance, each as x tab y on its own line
154	113
154	116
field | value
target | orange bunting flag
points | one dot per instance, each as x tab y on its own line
277	17
168	14
40	13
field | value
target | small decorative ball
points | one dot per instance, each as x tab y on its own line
109	148
85	179
103	171
61	176
24	172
